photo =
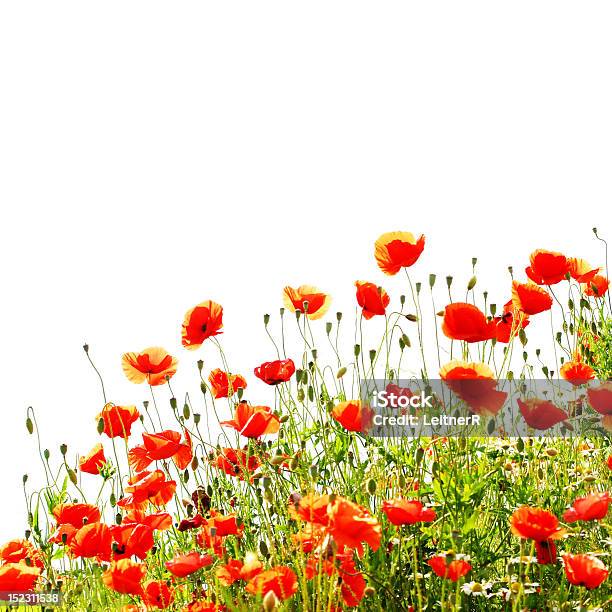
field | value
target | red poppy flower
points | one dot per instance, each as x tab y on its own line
466	322
508	325
475	384
253	421
236	462
373	300
609	462
353	415
275	372
535	524
157	594
592	507
235	570
118	420
396	250
148	487
15	551
547	267
153	364
352	582
584	570
311	508
600	398
311	537
209	541
530	298
224	384
201	322
407	511
351	525
576	371
159	521
281	580
224	525
18	577
546	552
92	540
453	570
125	576
130	539
541	414
76	515
186	564
596	287
93	461
203	606
581	270
295	299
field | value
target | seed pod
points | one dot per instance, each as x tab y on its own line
372	355
328	327
266	319
196	417
339	316
63	449
200	364
357	350
432	280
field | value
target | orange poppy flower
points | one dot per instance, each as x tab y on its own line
159	521
353	415
157	594
530	298
158	446
224	384
253	421
581	270
125	576
130	539
118	420
224	525
275	372
18	577
92	540
396	250
547	267
407	511
15	551
311	508
596	287
373	300
592	507
466	322
453	570
201	322
188	563
203	606
584	570
351	524
236	462
93	461
535	524
148	487
318	302
281	580
153	364
475	384
209	541
600	398
541	414
352	582
509	323
576	371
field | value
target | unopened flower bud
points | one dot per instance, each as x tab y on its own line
270	602
471	283
341	372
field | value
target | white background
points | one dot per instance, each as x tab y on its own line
153	155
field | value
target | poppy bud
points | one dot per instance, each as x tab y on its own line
118	518
402	299
411	317
301	395
590	478
100	426
595	231
369	591
341	372
186	411
46	454
371	486
551	452
293	465
432	280
406	340
63	449
270	602
328	328
277	460
357	350
313	471
510	375
266	319
112	499
268	495
449	281
420	453
471	283
401	481
72	476
440	313
263	548
173	403
29	425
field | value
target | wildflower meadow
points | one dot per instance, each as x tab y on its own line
221	501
